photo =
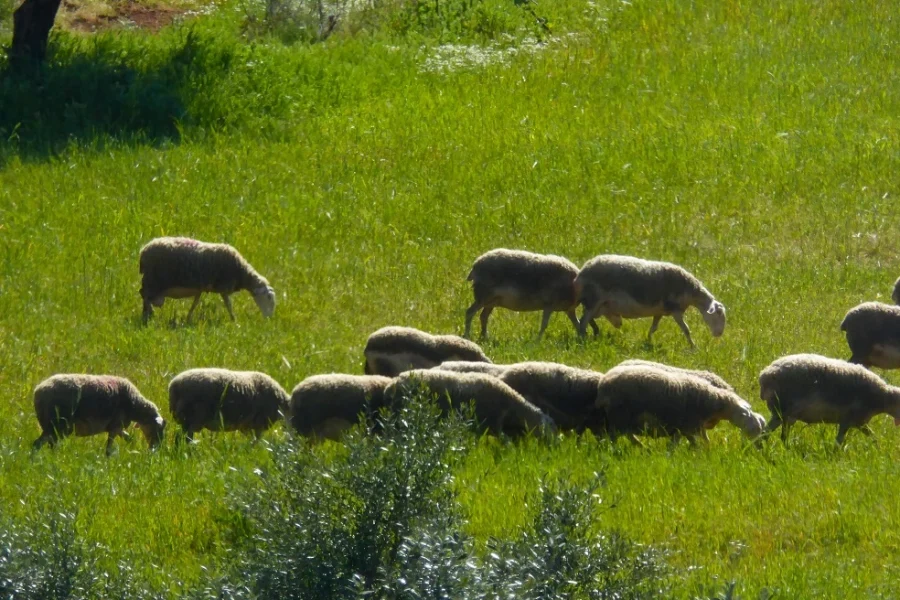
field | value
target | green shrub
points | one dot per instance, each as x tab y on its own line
383	519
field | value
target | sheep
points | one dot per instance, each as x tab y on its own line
641	399
566	394
895	296
620	287
873	334
466	366
523	282
713	379
498	408
223	400
178	267
91	404
324	406
392	350
816	389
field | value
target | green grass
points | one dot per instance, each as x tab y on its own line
757	144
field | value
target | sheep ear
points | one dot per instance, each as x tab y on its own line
715	307
160	421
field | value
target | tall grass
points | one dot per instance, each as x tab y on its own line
757	145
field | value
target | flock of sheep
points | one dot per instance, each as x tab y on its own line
634	398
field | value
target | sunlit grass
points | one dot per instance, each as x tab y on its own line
755	144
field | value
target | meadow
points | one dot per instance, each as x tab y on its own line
756	144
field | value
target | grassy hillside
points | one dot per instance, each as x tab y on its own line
757	144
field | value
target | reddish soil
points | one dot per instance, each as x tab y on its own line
127	14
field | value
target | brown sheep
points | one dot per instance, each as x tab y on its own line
223	400
392	350
567	394
647	400
523	282
618	287
498	408
324	406
873	334
93	404
816	389
177	267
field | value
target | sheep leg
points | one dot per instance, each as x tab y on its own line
867	431
485	315
227	300
470	314
193	306
773	424
574	318
588	317
843	428
785	431
109	442
46	438
148	311
545	320
679	318
653	327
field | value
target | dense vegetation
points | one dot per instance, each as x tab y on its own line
754	143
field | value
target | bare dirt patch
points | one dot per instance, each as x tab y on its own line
98	16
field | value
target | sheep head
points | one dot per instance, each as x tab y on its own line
153	431
265	299
714	316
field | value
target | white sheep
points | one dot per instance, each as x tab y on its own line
392	350
816	389
618	287
224	400
523	282
656	402
324	406
567	394
873	334
92	404
177	267
498	407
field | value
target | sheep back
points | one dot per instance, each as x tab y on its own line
392	350
324	406
873	334
224	400
498	408
710	377
465	366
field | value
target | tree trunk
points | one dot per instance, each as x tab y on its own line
31	28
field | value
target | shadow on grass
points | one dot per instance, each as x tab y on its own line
96	90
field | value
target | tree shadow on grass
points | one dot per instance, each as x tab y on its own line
94	91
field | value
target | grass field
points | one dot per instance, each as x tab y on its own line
757	144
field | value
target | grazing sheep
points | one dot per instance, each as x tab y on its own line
324	406
498	408
895	296
873	334
177	267
466	366
620	287
223	400
647	400
392	350
816	389
92	404
567	394
713	379
523	282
